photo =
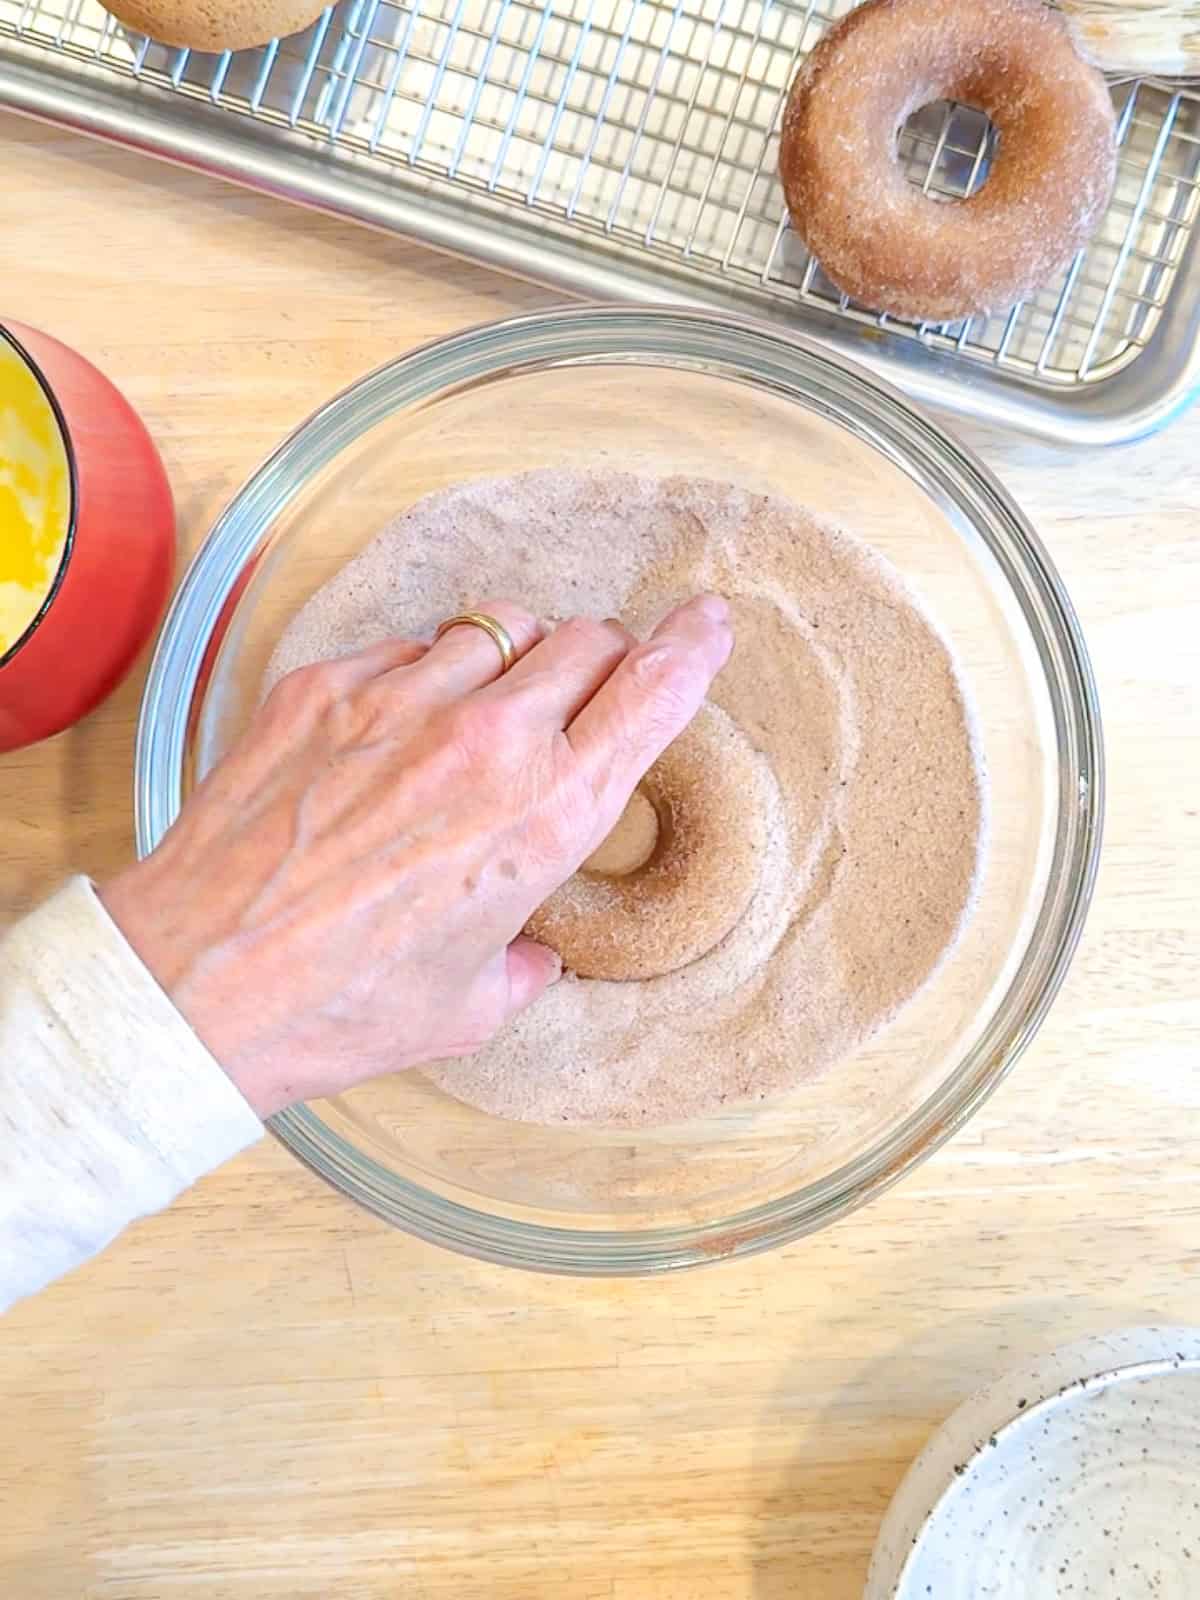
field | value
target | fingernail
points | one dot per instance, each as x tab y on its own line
713	607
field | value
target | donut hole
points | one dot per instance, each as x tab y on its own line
678	871
946	149
631	843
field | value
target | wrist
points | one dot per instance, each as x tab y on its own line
152	924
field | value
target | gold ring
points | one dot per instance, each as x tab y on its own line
496	632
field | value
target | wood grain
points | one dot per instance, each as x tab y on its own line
264	1394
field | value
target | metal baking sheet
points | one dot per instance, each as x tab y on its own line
627	148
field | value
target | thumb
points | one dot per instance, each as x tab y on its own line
532	968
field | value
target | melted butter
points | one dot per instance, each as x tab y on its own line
35	497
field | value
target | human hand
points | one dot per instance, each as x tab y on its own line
344	894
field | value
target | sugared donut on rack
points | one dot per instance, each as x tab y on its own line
878	237
215	25
679	870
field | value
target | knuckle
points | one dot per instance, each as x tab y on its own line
368	713
309	688
510	724
471	726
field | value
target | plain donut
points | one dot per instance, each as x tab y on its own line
698	880
877	236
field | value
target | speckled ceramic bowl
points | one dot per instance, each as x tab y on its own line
665	391
1074	1478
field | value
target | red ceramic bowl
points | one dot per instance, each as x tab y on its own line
118	553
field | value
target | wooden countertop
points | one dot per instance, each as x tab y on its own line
263	1394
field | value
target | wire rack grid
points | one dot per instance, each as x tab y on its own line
649	129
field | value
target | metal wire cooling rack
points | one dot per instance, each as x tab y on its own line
628	147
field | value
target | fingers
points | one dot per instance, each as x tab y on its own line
466	657
508	982
532	968
385	656
650	698
308	691
561	674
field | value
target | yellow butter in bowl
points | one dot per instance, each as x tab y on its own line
35	497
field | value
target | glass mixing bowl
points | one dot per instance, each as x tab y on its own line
664	391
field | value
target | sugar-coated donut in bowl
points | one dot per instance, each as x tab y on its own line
660	910
877	236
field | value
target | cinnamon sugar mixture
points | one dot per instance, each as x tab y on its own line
868	795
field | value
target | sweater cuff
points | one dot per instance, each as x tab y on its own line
143	1068
109	1103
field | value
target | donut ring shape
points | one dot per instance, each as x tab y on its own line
698	880
877	236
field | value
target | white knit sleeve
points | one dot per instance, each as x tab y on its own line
109	1103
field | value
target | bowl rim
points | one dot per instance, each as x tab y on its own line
839	390
1003	1409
